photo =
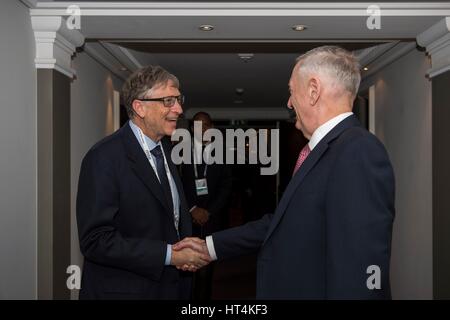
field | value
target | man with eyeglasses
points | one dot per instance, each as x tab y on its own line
130	203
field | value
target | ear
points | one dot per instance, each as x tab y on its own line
314	90
138	108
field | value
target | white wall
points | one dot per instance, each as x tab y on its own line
91	120
403	123
18	154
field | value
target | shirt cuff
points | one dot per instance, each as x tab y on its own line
192	208
211	250
168	255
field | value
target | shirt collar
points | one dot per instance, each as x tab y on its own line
323	130
151	144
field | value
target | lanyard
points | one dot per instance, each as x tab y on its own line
150	159
195	165
196	172
176	212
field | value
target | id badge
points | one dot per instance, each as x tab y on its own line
201	187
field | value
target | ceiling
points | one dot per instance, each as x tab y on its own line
266	28
212	76
126	35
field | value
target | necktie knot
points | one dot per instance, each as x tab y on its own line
157	152
302	157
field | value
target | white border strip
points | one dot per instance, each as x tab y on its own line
241	9
243	5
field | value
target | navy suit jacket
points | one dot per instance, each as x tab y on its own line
125	224
333	222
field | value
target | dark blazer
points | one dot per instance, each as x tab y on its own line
124	224
333	222
219	181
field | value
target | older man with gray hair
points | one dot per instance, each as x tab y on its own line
330	236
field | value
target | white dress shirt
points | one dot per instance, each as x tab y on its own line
173	187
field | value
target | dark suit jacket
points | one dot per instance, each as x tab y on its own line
219	180
124	224
333	222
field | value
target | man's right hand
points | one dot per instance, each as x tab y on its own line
189	259
193	248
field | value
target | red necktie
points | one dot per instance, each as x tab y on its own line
301	158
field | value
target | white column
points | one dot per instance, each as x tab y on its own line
436	40
55	44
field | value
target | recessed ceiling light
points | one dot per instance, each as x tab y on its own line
239	91
206	27
123	69
365	68
246	56
299	27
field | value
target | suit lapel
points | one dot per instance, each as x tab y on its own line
296	180
173	170
183	226
141	166
307	165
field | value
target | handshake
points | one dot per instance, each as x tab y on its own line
190	254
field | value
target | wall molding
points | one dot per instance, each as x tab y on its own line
94	50
383	60
123	55
30	3
242	9
55	44
392	54
436	40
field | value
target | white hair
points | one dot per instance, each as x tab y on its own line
340	65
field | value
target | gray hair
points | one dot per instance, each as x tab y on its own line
340	65
142	82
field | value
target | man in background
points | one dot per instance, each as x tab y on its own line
208	190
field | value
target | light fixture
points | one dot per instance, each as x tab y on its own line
365	68
246	56
299	27
239	91
206	27
123	69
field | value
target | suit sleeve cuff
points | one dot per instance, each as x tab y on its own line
168	255
211	249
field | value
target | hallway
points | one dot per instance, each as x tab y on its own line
61	74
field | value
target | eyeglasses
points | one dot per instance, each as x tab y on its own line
167	101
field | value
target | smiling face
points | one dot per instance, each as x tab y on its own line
158	120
